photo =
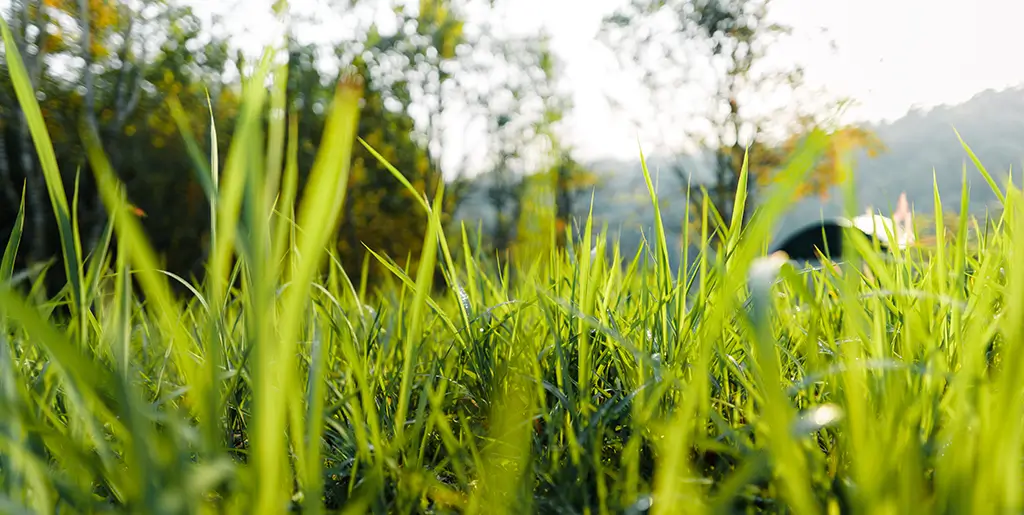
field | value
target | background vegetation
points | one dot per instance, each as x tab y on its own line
262	299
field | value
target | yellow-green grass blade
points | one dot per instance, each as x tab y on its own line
318	216
70	245
276	135
19	470
154	284
286	201
981	168
204	173
13	242
415	336
434	219
231	187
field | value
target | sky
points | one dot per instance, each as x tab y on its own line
889	56
917	52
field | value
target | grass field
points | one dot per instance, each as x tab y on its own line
581	386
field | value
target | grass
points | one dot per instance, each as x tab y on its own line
582	386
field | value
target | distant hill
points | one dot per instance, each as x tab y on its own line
991	123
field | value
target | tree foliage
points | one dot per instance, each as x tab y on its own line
842	143
380	213
110	68
107	68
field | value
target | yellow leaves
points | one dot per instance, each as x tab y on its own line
433	10
848	139
843	142
54	43
582	180
98	50
129	130
451	39
435	19
358	171
103	15
422	165
379	216
375	140
104	21
227	105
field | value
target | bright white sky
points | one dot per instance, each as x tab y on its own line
891	55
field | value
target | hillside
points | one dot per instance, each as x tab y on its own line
992	123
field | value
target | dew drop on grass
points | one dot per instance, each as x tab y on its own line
642	505
817	418
463	298
764	270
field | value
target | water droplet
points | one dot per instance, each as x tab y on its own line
817	418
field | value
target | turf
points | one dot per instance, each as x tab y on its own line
572	380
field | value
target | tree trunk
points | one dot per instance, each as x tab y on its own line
11	191
35	193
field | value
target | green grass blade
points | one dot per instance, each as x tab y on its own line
13	242
319	213
70	245
981	168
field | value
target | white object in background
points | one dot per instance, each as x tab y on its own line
899	226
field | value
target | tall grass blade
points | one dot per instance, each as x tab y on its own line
318	216
70	245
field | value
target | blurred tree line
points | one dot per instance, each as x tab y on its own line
110	67
758	107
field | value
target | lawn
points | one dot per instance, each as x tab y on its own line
574	380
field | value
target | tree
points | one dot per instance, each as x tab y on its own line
524	112
108	67
29	21
440	61
124	61
379	213
827	172
718	49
